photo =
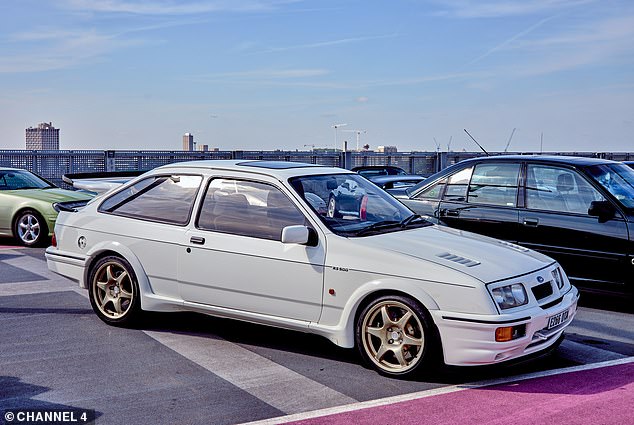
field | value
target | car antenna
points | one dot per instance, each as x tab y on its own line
476	142
509	142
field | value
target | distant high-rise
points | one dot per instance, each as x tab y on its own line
188	142
44	137
203	148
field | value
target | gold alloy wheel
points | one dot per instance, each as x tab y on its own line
113	291
393	336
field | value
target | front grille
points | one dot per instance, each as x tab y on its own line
542	291
552	303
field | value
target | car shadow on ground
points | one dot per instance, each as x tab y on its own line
253	336
22	397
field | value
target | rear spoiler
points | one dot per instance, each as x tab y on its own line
99	182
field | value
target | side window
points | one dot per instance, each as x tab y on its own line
434	191
248	209
494	184
457	185
558	189
167	199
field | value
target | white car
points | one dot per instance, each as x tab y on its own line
247	240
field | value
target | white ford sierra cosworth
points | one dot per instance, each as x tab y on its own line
312	249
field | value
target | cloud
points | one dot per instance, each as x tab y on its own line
174	7
362	99
50	49
511	40
329	43
502	8
264	74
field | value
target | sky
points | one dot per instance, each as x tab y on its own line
278	74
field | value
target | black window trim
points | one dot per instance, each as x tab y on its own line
580	172
148	219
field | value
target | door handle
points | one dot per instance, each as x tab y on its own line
198	240
452	213
531	222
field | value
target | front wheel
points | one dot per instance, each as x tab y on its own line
114	291
30	228
394	336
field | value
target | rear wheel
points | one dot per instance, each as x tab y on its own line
394	336
114	291
30	228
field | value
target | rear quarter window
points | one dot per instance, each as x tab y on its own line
166	199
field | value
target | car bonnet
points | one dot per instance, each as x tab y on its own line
483	258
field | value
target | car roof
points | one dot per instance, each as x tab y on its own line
277	169
554	159
375	167
397	178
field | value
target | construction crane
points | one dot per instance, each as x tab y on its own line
358	133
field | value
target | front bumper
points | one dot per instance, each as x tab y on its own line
67	264
469	339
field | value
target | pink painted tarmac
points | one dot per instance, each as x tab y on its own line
603	396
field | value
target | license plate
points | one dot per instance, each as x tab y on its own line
557	319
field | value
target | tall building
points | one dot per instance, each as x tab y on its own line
188	142
203	148
44	137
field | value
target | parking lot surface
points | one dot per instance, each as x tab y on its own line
189	368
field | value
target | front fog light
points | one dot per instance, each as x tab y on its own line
510	296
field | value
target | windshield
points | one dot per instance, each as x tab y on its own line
19	179
618	179
352	206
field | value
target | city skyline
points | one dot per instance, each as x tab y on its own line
278	74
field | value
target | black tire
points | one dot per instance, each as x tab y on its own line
384	346
331	208
30	228
114	291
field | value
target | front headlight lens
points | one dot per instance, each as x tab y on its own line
510	296
558	277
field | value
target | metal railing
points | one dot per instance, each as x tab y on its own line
53	164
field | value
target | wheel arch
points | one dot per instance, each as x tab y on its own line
374	290
106	249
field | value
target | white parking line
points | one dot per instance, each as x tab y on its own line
433	392
270	382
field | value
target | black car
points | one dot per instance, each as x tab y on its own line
580	211
396	181
378	170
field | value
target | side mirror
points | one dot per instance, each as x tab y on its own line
602	209
296	234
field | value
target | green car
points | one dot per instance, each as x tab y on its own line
29	206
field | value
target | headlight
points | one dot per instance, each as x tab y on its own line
510	296
558	277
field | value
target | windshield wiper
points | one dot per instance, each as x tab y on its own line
386	224
414	219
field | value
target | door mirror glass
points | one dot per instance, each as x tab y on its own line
602	209
295	234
